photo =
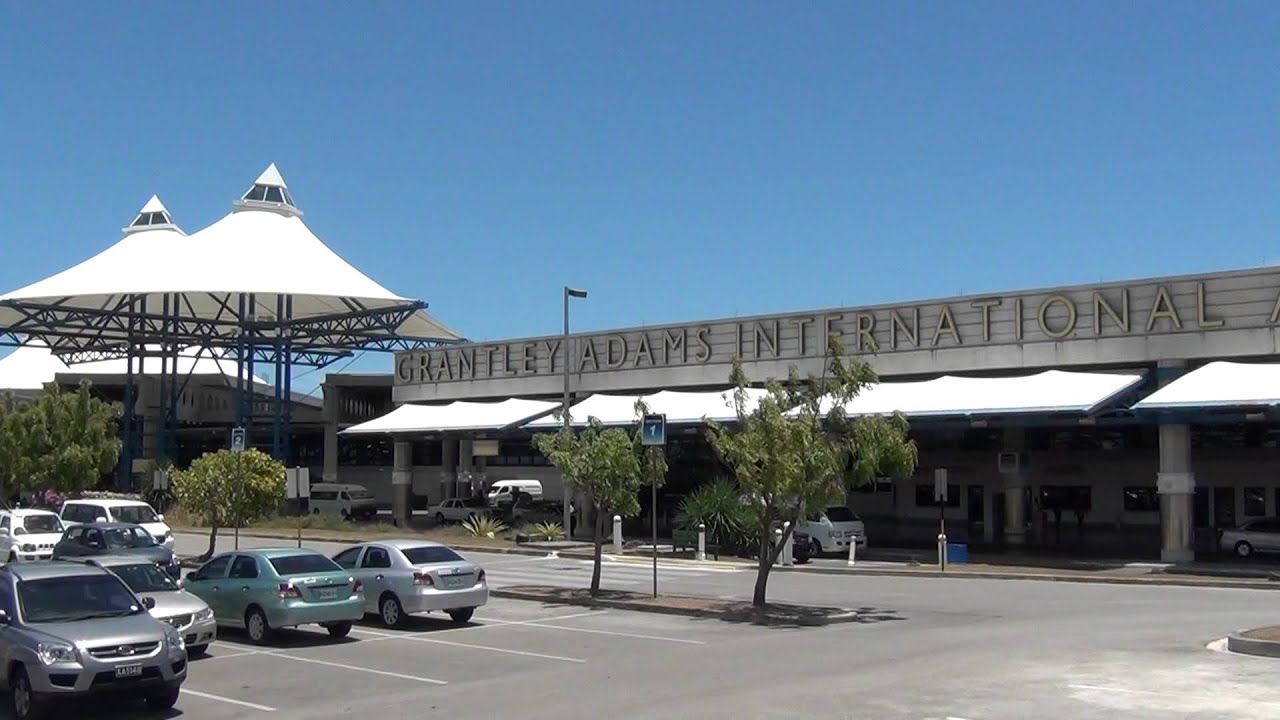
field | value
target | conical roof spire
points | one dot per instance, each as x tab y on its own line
153	216
269	192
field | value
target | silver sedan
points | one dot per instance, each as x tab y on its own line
410	577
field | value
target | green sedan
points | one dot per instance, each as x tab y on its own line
265	590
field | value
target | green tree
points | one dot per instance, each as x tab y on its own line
223	488
798	448
609	467
65	441
9	447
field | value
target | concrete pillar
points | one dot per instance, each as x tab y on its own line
466	469
402	483
332	416
448	467
1015	484
1175	482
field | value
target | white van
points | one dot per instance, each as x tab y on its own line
83	512
503	490
833	528
349	501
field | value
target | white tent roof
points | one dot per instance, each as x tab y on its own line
461	415
1219	384
30	367
258	248
680	407
1049	391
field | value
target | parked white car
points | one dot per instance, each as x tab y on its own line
832	529
503	491
133	512
458	509
1255	536
27	535
352	502
408	577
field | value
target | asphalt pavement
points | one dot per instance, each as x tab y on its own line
967	649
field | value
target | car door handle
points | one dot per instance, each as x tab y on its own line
244	589
377	577
214	588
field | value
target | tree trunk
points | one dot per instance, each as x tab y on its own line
599	541
213	544
768	556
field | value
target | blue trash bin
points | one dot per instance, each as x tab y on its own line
957	553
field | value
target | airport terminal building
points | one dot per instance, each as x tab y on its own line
1134	417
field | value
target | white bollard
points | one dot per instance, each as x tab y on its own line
702	541
788	559
777	540
942	551
617	534
853	550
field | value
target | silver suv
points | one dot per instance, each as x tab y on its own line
69	629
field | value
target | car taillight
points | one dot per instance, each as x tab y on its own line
422	579
357	587
289	591
479	576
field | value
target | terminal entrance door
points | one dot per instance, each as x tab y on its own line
997	516
1224	507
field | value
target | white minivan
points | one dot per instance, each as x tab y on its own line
136	512
833	528
503	490
349	501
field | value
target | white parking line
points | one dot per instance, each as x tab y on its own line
207	658
219	698
420	638
601	632
542	558
357	668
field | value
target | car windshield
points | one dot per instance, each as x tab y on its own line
841	514
145	578
126	538
75	597
359	494
136	514
287	565
42	524
431	554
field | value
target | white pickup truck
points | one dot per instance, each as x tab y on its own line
831	529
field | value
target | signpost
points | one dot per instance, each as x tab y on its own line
237	447
653	433
940	496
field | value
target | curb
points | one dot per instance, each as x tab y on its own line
1238	643
1188	581
515	594
356	541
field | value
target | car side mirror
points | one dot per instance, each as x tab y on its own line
99	519
191	576
4	617
160	518
149	603
4	532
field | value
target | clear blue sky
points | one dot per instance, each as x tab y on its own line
681	161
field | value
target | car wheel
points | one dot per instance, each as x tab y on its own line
13	556
339	629
27	705
163	699
462	615
391	610
197	650
439	518
255	623
1243	549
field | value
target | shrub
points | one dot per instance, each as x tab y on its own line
484	526
546	531
719	506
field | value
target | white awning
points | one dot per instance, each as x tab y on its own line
32	366
1052	391
460	415
680	407
1219	385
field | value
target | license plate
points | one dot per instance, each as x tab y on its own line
452	583
327	593
129	671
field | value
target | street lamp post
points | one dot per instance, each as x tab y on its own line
564	409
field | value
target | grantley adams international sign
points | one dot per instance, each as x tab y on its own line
1202	307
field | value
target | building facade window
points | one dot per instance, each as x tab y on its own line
1255	501
1066	498
1141	499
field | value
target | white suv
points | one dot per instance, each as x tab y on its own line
27	535
832	529
136	512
